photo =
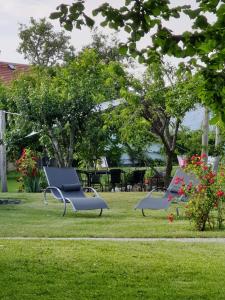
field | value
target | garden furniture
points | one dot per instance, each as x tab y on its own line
172	192
65	186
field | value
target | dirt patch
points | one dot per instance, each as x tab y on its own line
9	201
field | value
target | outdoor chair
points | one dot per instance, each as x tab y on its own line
96	181
116	179
65	186
136	179
163	202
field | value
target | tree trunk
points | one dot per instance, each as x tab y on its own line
169	167
217	143
70	150
57	152
205	134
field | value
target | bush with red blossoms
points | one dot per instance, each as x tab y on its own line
28	169
206	198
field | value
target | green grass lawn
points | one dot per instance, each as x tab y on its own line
111	270
32	218
51	269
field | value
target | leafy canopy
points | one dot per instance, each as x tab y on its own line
41	45
205	44
59	102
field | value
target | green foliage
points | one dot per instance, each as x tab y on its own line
29	172
59	102
41	45
154	110
3	96
205	44
189	142
206	196
106	47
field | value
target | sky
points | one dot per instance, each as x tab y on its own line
15	12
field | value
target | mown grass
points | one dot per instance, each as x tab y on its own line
13	184
32	218
111	270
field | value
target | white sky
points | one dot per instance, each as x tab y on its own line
14	12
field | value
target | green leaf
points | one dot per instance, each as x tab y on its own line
123	49
127	28
55	15
192	13
104	23
128	2
141	59
68	25
89	21
201	22
214	120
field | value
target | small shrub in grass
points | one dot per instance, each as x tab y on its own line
29	172
207	197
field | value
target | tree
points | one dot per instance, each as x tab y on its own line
59	102
205	44
156	109
41	45
106	47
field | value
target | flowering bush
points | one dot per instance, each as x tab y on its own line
207	196
28	168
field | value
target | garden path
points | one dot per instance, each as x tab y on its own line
102	239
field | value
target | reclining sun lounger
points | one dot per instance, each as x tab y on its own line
65	186
163	202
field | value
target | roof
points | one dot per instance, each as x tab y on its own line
9	71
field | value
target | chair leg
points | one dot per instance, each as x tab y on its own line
143	212
64	212
100	212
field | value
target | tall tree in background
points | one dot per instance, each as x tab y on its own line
154	108
60	102
41	45
205	44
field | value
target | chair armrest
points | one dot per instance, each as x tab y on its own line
92	189
60	193
156	190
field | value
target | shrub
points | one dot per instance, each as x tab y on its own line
206	197
28	168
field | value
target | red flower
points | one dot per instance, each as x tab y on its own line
220	193
170	218
170	197
181	191
203	155
189	186
205	168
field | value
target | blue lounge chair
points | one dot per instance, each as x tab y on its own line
163	202
65	186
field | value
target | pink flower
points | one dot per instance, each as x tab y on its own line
178	180
170	197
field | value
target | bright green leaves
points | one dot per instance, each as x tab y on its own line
61	101
123	49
